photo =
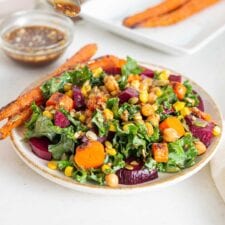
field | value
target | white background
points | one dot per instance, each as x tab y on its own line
26	198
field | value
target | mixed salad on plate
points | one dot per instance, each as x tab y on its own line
119	126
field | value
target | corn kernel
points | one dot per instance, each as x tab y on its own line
48	114
133	100
111	151
82	118
143	87
108	114
108	144
158	92
68	171
149	128
126	127
143	96
97	72
112	128
216	131
185	111
106	168
147	110
69	93
164	75
178	106
67	87
135	84
138	117
52	165
86	88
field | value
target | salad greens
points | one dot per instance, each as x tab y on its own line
110	136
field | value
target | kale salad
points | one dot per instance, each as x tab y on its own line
119	126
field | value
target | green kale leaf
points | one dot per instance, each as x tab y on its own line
64	145
182	154
190	95
36	113
131	67
98	120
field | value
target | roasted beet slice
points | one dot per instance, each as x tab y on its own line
134	173
60	120
131	177
148	73
102	139
175	78
79	102
128	93
168	111
203	133
113	70
40	147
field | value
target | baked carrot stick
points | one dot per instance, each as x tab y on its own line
35	94
187	10
15	121
165	7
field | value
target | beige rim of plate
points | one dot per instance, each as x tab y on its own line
40	166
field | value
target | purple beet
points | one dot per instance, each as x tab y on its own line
175	78
40	147
84	139
60	120
137	174
201	103
148	73
203	133
113	70
168	111
78	98
131	177
102	139
128	93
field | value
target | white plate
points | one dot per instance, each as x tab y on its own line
40	166
185	37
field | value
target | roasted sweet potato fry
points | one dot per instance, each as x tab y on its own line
107	62
20	103
187	10
15	121
165	7
35	94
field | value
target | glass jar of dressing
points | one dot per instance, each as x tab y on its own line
35	37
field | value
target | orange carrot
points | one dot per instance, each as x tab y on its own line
14	121
21	103
90	155
164	7
185	11
160	152
60	100
172	122
35	94
180	90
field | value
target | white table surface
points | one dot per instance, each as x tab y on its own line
27	198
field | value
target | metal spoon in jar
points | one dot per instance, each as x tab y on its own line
70	8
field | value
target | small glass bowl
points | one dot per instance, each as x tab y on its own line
41	55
